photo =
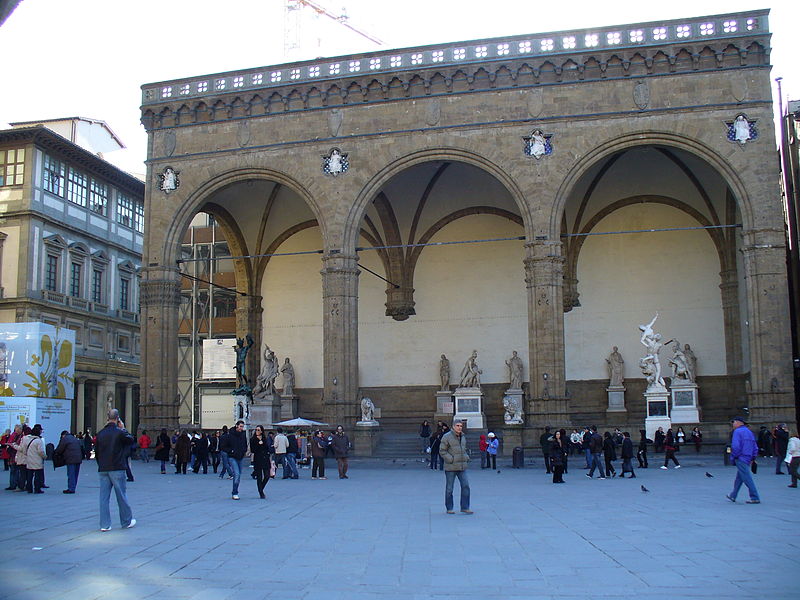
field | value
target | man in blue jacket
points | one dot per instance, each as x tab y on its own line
111	452
744	450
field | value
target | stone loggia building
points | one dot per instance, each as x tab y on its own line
324	173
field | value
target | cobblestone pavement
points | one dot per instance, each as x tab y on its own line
383	534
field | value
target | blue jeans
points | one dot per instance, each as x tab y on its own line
450	477
290	463
226	467
588	458
743	476
13	476
72	476
116	480
235	465
596	462
143	456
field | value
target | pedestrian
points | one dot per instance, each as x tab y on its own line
680	437
318	447
558	455
13	476
200	446
292	453
224	448
112	449
568	446
71	453
213	450
491	451
697	439
88	444
341	448
483	445
453	449
174	441
237	448
780	444
641	453
670	448
586	438
609	453
617	437
22	470
627	455
596	449
4	449
162	450
128	472
546	442
574	442
764	441
262	465
34	460
144	447
425	434
793	458
658	440
437	462
183	452
744	450
192	446
281	445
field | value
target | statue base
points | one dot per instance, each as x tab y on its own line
366	437
657	400
684	403
616	398
445	406
512	437
289	407
265	410
518	397
469	408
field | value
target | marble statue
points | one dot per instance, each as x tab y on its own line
471	374
265	382
241	349
287	370
650	364
681	370
444	373
616	368
741	129
691	360
515	371
367	410
513	410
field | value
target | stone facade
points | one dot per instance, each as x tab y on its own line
598	96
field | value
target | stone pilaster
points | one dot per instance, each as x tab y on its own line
340	338
771	390
544	279
80	403
729	290
160	297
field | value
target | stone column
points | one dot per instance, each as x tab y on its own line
340	338
130	420
544	279
80	403
771	389
729	289
160	297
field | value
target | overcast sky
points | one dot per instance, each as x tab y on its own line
89	57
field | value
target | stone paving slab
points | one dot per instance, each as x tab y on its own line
383	535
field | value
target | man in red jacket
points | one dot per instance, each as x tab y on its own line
144	444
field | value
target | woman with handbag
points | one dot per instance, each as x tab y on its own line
670	447
163	446
262	465
558	454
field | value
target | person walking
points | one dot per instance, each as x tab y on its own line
144	447
696	438
281	444
88	444
425	435
341	448
111	452
162	450
183	452
200	447
596	449
641	453
658	440
262	465
213	450
609	453
627	455
493	445
237	444
546	442
4	449
559	450
71	453
780	444
318	447
12	441
744	450
483	445
436	460
224	448
793	458
586	446
670	448
453	449
292	453
34	460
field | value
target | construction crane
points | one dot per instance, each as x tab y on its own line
293	28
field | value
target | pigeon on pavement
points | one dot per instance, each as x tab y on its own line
708	474
644	489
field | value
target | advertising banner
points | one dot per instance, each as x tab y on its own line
37	360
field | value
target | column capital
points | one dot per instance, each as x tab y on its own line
160	286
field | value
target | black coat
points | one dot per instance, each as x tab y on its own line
260	451
200	446
609	449
557	453
112	449
183	448
70	450
163	452
237	443
627	448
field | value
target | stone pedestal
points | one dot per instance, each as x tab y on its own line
265	410
445	406
469	408
289	407
616	398
512	437
684	403
657	400
366	437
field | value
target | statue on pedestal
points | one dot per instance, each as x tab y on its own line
444	373
265	382
681	368
515	371
241	351
691	359
287	370
513	410
471	374
367	410
616	367
650	364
